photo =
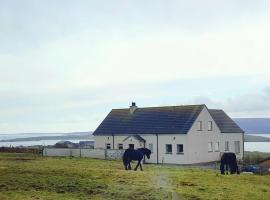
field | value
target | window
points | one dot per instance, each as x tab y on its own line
108	146
199	124
151	147
131	146
120	146
210	146
217	146
227	146
210	126
168	148
237	147
180	148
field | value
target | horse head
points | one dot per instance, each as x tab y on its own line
147	152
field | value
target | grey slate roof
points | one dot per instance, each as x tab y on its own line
151	120
224	122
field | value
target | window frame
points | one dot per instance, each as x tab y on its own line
238	149
210	125
151	148
120	144
177	149
108	145
166	148
216	145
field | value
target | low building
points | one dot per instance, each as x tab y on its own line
175	134
265	163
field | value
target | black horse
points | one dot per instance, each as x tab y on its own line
135	154
228	160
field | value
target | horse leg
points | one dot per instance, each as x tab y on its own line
227	169
222	168
139	162
141	167
129	166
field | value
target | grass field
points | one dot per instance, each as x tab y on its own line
26	177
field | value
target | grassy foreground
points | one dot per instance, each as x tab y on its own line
25	177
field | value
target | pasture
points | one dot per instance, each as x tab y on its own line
29	177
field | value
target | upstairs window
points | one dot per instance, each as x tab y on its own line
108	146
199	125
169	148
180	148
120	146
210	146
227	146
210	126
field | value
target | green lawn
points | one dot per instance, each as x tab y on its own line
24	177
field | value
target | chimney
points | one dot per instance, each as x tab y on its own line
132	108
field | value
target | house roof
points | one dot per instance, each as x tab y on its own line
150	120
224	122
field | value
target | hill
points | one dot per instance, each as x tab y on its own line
25	176
254	125
51	136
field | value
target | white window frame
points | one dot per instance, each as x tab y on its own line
120	146
199	126
108	146
210	125
166	149
177	149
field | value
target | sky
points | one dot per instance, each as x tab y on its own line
64	64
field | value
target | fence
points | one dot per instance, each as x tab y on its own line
110	154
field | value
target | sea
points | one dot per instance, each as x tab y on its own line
249	146
30	143
258	146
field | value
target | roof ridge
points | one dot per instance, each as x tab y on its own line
162	106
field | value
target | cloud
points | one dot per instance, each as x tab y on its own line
249	105
67	66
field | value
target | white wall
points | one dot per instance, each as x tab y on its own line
198	140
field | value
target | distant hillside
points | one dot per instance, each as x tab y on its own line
63	136
253	138
254	125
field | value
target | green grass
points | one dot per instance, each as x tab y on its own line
26	177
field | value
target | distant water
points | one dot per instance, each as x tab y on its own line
258	146
30	143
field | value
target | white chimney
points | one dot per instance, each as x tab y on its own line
132	108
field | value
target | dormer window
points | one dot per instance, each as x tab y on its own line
199	125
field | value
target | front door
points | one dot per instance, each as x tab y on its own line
131	146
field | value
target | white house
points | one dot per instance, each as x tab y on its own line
175	134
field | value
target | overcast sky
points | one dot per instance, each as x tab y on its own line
65	64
